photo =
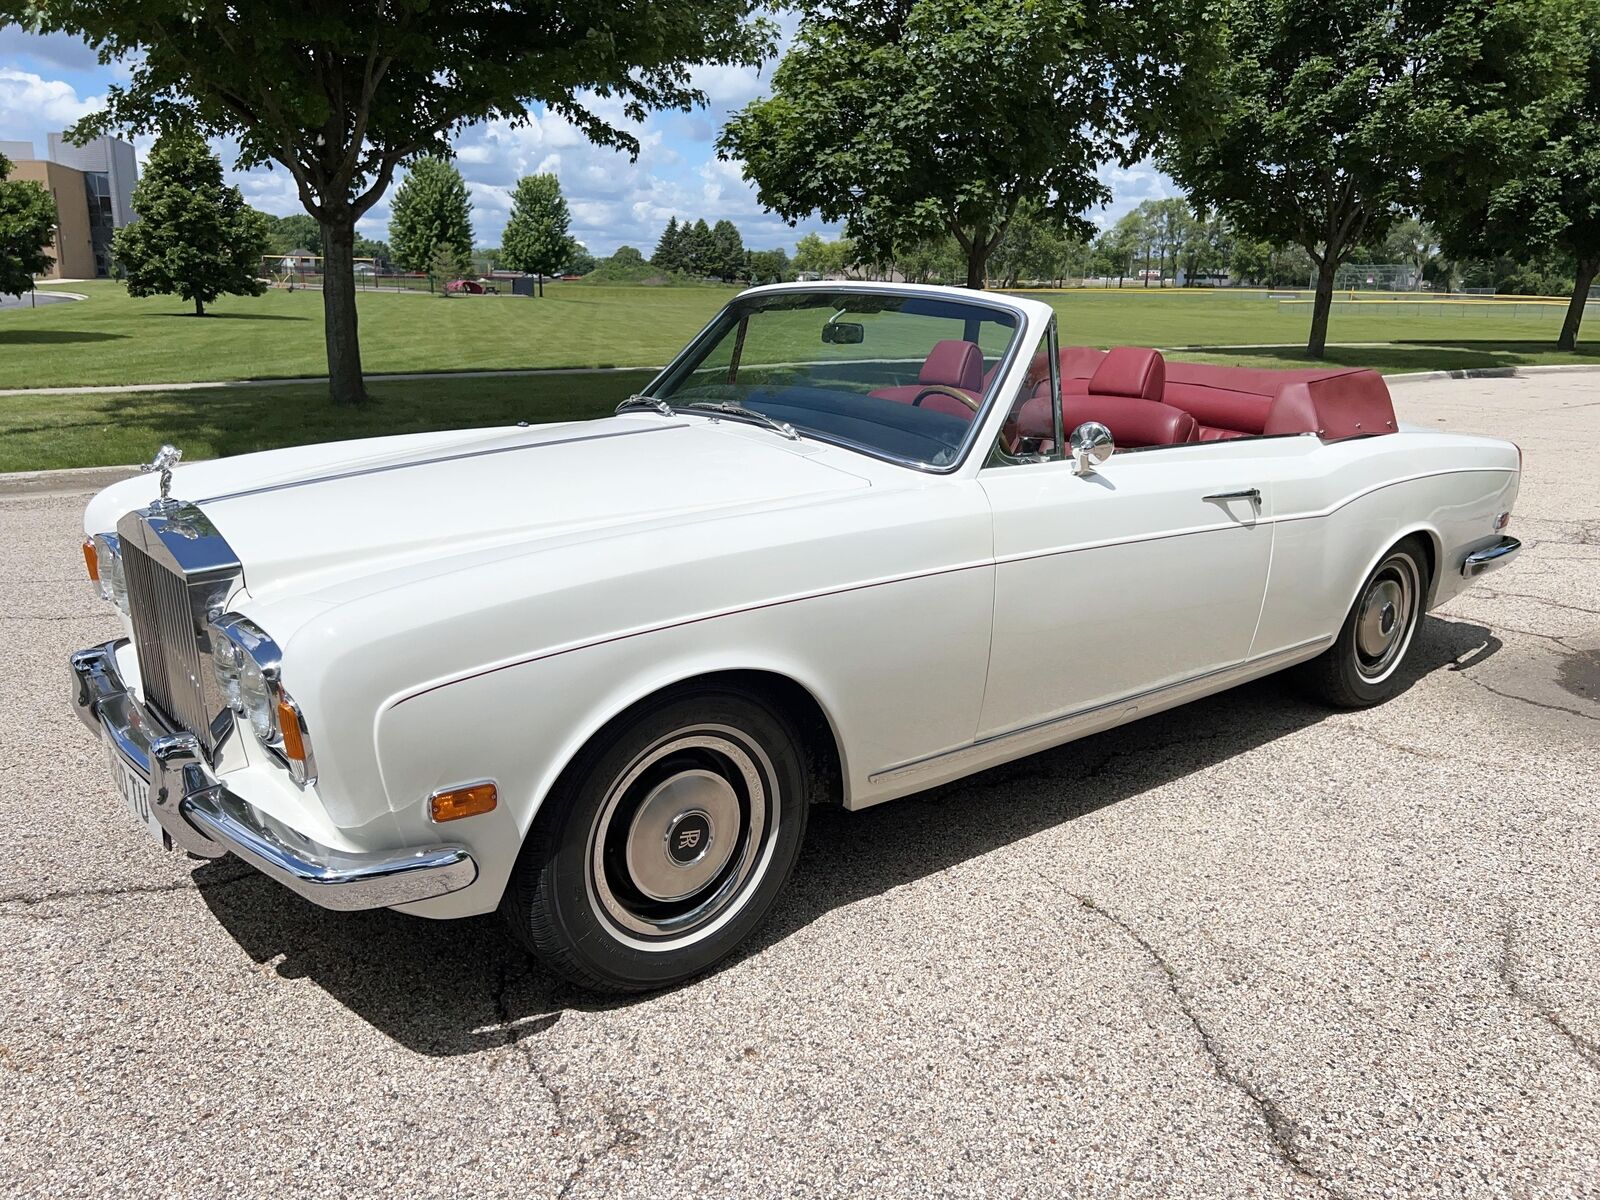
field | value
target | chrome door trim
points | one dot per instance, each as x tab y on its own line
1017	742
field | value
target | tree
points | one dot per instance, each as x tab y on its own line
931	260
377	251
669	250
1531	115
536	239
1035	246
195	237
1324	116
698	251
344	95
1414	243
929	117
727	252
813	256
768	266
298	231
431	210
579	260
446	266
27	228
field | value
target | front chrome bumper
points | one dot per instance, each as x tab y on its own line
202	816
1493	556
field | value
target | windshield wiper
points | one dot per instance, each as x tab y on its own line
650	402
724	408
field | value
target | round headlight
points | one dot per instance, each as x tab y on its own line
245	663
227	660
113	580
255	694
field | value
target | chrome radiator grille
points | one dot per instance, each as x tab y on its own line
167	641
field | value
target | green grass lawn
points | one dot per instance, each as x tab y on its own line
112	339
46	432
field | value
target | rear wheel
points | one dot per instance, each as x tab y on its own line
1362	666
666	842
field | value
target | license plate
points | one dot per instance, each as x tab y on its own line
135	794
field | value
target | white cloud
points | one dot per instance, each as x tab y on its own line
52	101
1129	186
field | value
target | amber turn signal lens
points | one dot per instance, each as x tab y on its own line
294	743
91	559
469	801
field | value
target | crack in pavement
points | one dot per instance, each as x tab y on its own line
620	1135
1562	708
1511	976
1281	1129
1492	594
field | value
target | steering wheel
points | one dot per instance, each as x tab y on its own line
939	389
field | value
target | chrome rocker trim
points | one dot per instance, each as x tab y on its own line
1491	557
201	815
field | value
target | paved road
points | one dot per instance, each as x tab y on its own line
8	300
1243	948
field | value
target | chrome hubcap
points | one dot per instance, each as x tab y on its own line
1386	617
1379	619
683	834
673	845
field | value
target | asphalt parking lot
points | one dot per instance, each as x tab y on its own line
1244	948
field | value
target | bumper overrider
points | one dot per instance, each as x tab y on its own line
201	815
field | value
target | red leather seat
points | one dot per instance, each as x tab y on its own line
951	363
1130	371
1133	421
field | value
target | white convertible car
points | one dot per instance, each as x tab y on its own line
855	541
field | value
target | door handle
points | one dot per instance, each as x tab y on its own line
1251	494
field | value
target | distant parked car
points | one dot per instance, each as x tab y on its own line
467	287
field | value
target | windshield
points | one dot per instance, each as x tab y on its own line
899	376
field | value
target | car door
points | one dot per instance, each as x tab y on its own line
1148	571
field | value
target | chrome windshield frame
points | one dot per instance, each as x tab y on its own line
703	340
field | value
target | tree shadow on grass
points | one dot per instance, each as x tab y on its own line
229	316
445	987
54	337
241	420
1418	355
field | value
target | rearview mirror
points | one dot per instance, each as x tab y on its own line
844	333
1091	445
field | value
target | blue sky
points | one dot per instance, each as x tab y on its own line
48	82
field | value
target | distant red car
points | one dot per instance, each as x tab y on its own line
469	287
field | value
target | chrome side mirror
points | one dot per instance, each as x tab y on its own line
1091	445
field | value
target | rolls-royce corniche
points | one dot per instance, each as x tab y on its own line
855	541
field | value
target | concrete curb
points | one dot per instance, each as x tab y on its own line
1495	373
62	483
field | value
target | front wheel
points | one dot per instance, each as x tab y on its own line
665	843
1362	666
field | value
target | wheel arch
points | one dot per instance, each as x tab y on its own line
824	747
1432	546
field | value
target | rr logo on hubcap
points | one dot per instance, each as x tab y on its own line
689	837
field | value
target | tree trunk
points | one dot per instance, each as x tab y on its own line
345	384
1317	343
199	307
978	263
1587	269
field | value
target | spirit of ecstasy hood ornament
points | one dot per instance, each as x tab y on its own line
166	458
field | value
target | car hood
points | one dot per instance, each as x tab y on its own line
306	519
